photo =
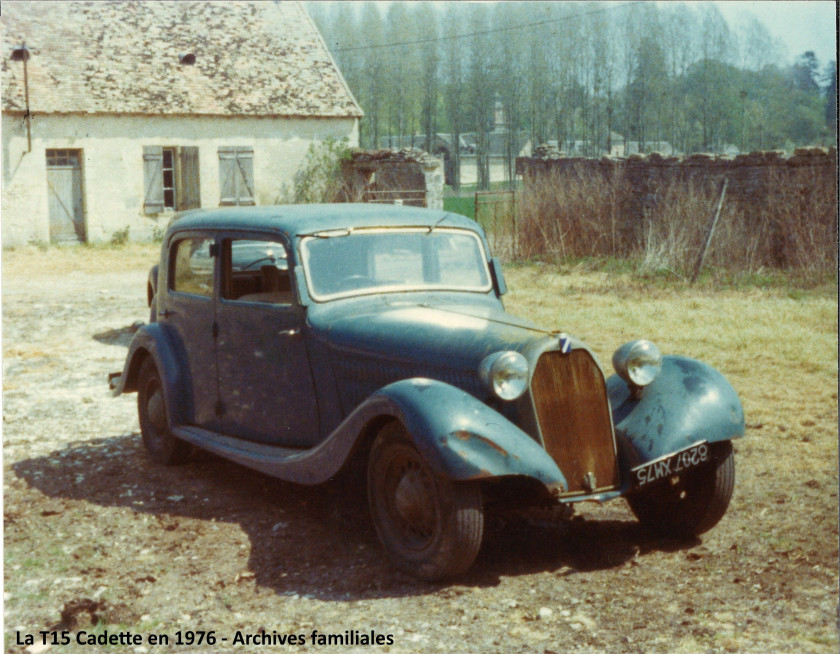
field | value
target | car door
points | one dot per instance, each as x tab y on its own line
265	380
188	307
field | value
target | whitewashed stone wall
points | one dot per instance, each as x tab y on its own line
112	165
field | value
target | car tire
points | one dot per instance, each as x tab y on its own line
693	505
431	526
162	446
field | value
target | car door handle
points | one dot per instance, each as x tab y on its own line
293	333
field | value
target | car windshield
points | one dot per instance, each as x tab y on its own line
365	261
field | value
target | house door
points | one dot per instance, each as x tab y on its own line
64	189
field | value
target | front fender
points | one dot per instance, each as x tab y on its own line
463	438
159	342
460	437
688	402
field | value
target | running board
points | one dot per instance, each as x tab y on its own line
310	466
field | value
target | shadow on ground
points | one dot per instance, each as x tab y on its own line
315	541
119	336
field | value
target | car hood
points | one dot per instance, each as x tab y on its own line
373	342
456	334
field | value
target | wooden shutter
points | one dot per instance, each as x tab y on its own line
236	176
153	178
189	191
227	179
245	181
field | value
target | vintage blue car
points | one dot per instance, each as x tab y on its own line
376	334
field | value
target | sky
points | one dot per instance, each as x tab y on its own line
801	25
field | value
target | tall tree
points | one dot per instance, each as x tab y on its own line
454	82
511	75
646	91
573	72
481	91
805	72
758	48
681	47
716	49
372	82
426	21
830	77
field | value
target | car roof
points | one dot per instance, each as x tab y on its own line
300	219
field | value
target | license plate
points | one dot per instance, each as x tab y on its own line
670	465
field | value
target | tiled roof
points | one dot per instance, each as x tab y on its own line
251	59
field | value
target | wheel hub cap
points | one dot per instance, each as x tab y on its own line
412	502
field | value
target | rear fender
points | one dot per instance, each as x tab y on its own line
160	343
688	402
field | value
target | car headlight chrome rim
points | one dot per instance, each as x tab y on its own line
506	374
638	362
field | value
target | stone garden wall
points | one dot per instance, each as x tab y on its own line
753	178
407	176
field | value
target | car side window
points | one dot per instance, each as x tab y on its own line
192	267
256	271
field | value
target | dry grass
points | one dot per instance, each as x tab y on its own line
572	216
780	353
663	228
47	260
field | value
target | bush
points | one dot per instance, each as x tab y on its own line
320	177
121	236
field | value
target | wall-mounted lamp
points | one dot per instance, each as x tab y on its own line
22	54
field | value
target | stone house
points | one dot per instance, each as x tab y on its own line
117	114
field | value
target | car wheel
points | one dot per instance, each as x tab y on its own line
151	408
694	503
431	526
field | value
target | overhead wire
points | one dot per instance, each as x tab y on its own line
454	37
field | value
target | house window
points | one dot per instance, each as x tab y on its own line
171	179
168	178
236	175
59	158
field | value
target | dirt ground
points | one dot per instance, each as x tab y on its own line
96	533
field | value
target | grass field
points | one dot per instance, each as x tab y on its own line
462	205
778	347
86	510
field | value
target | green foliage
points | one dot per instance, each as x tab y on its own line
464	206
566	72
158	232
319	179
121	236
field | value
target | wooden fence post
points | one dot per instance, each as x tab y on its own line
711	231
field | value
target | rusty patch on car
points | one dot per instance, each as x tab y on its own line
467	436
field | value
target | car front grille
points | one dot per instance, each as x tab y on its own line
570	399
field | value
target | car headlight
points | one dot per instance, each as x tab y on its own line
638	362
506	374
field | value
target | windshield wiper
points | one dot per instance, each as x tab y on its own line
435	226
329	233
